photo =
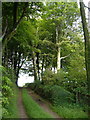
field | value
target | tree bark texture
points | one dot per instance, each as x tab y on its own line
58	50
87	47
34	66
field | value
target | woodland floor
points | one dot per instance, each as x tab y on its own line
43	104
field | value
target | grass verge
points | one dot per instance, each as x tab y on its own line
13	107
33	110
70	111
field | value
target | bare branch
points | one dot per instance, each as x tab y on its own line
65	56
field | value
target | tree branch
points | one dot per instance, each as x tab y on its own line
5	30
10	33
65	56
64	42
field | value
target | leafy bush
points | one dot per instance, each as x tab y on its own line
30	85
59	77
34	85
51	78
60	95
55	94
8	93
6	90
48	77
12	107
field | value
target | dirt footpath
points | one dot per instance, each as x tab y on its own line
44	104
22	112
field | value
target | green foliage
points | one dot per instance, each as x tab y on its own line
35	37
60	95
32	108
48	77
31	85
70	111
56	94
9	102
6	87
51	78
26	33
34	85
6	90
63	101
59	77
12	107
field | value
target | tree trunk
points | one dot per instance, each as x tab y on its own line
58	50
42	63
15	60
87	47
5	58
15	12
58	59
34	66
37	63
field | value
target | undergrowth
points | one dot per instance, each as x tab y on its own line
9	94
70	111
62	101
13	107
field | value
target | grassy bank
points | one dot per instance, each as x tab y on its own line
32	108
13	107
70	111
62	101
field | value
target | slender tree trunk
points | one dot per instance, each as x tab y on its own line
58	59
37	63
6	58
54	69
34	66
15	60
58	50
87	47
15	12
42	64
17	65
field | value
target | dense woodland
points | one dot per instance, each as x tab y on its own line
50	41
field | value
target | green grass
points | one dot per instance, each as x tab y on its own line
33	110
70	111
0	105
0	111
13	107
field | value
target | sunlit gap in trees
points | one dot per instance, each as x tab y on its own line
25	74
24	78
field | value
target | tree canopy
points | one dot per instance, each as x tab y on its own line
45	40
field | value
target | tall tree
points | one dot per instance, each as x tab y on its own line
15	21
60	20
87	47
